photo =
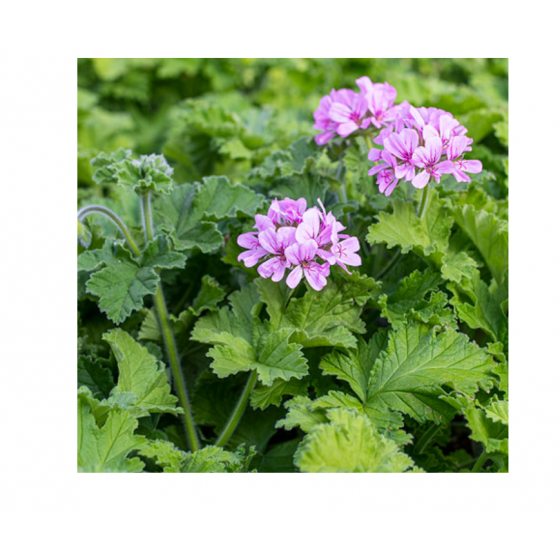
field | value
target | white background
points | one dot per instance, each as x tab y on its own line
49	510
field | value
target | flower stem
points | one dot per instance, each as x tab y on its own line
423	202
480	462
238	411
369	141
169	338
104	211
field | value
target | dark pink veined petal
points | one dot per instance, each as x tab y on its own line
263	222
374	154
420	158
350	245
316	280
395	145
268	240
346	128
294	278
421	180
410	140
248	240
308	250
292	254
377	168
471	166
445	167
391	187
340	113
252	257
457	146
434	147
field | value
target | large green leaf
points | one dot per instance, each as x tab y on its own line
408	376
106	448
141	374
124	281
243	343
349	442
190	211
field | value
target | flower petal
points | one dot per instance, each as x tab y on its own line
294	278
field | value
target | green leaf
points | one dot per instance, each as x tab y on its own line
490	236
122	285
93	375
325	318
266	395
428	236
106	448
210	294
158	253
213	459
481	306
165	454
146	173
408	376
409	301
301	413
297	158
141	374
493	435
243	343
349	442
188	214
457	266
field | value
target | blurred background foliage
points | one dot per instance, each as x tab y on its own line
225	116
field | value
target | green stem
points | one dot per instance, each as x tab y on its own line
369	142
394	260
98	209
237	411
428	437
169	338
423	202
480	462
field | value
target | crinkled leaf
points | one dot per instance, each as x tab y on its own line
266	395
349	442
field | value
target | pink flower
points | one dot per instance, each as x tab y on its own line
457	146
302	255
428	158
250	241
402	146
275	243
386	176
380	99
294	238
323	121
344	252
349	110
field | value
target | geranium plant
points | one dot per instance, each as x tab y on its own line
335	304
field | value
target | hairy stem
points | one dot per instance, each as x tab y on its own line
423	202
394	260
104	211
169	338
480	462
238	411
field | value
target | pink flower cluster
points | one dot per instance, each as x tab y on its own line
418	144
293	237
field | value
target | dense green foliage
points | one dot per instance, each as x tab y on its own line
399	368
